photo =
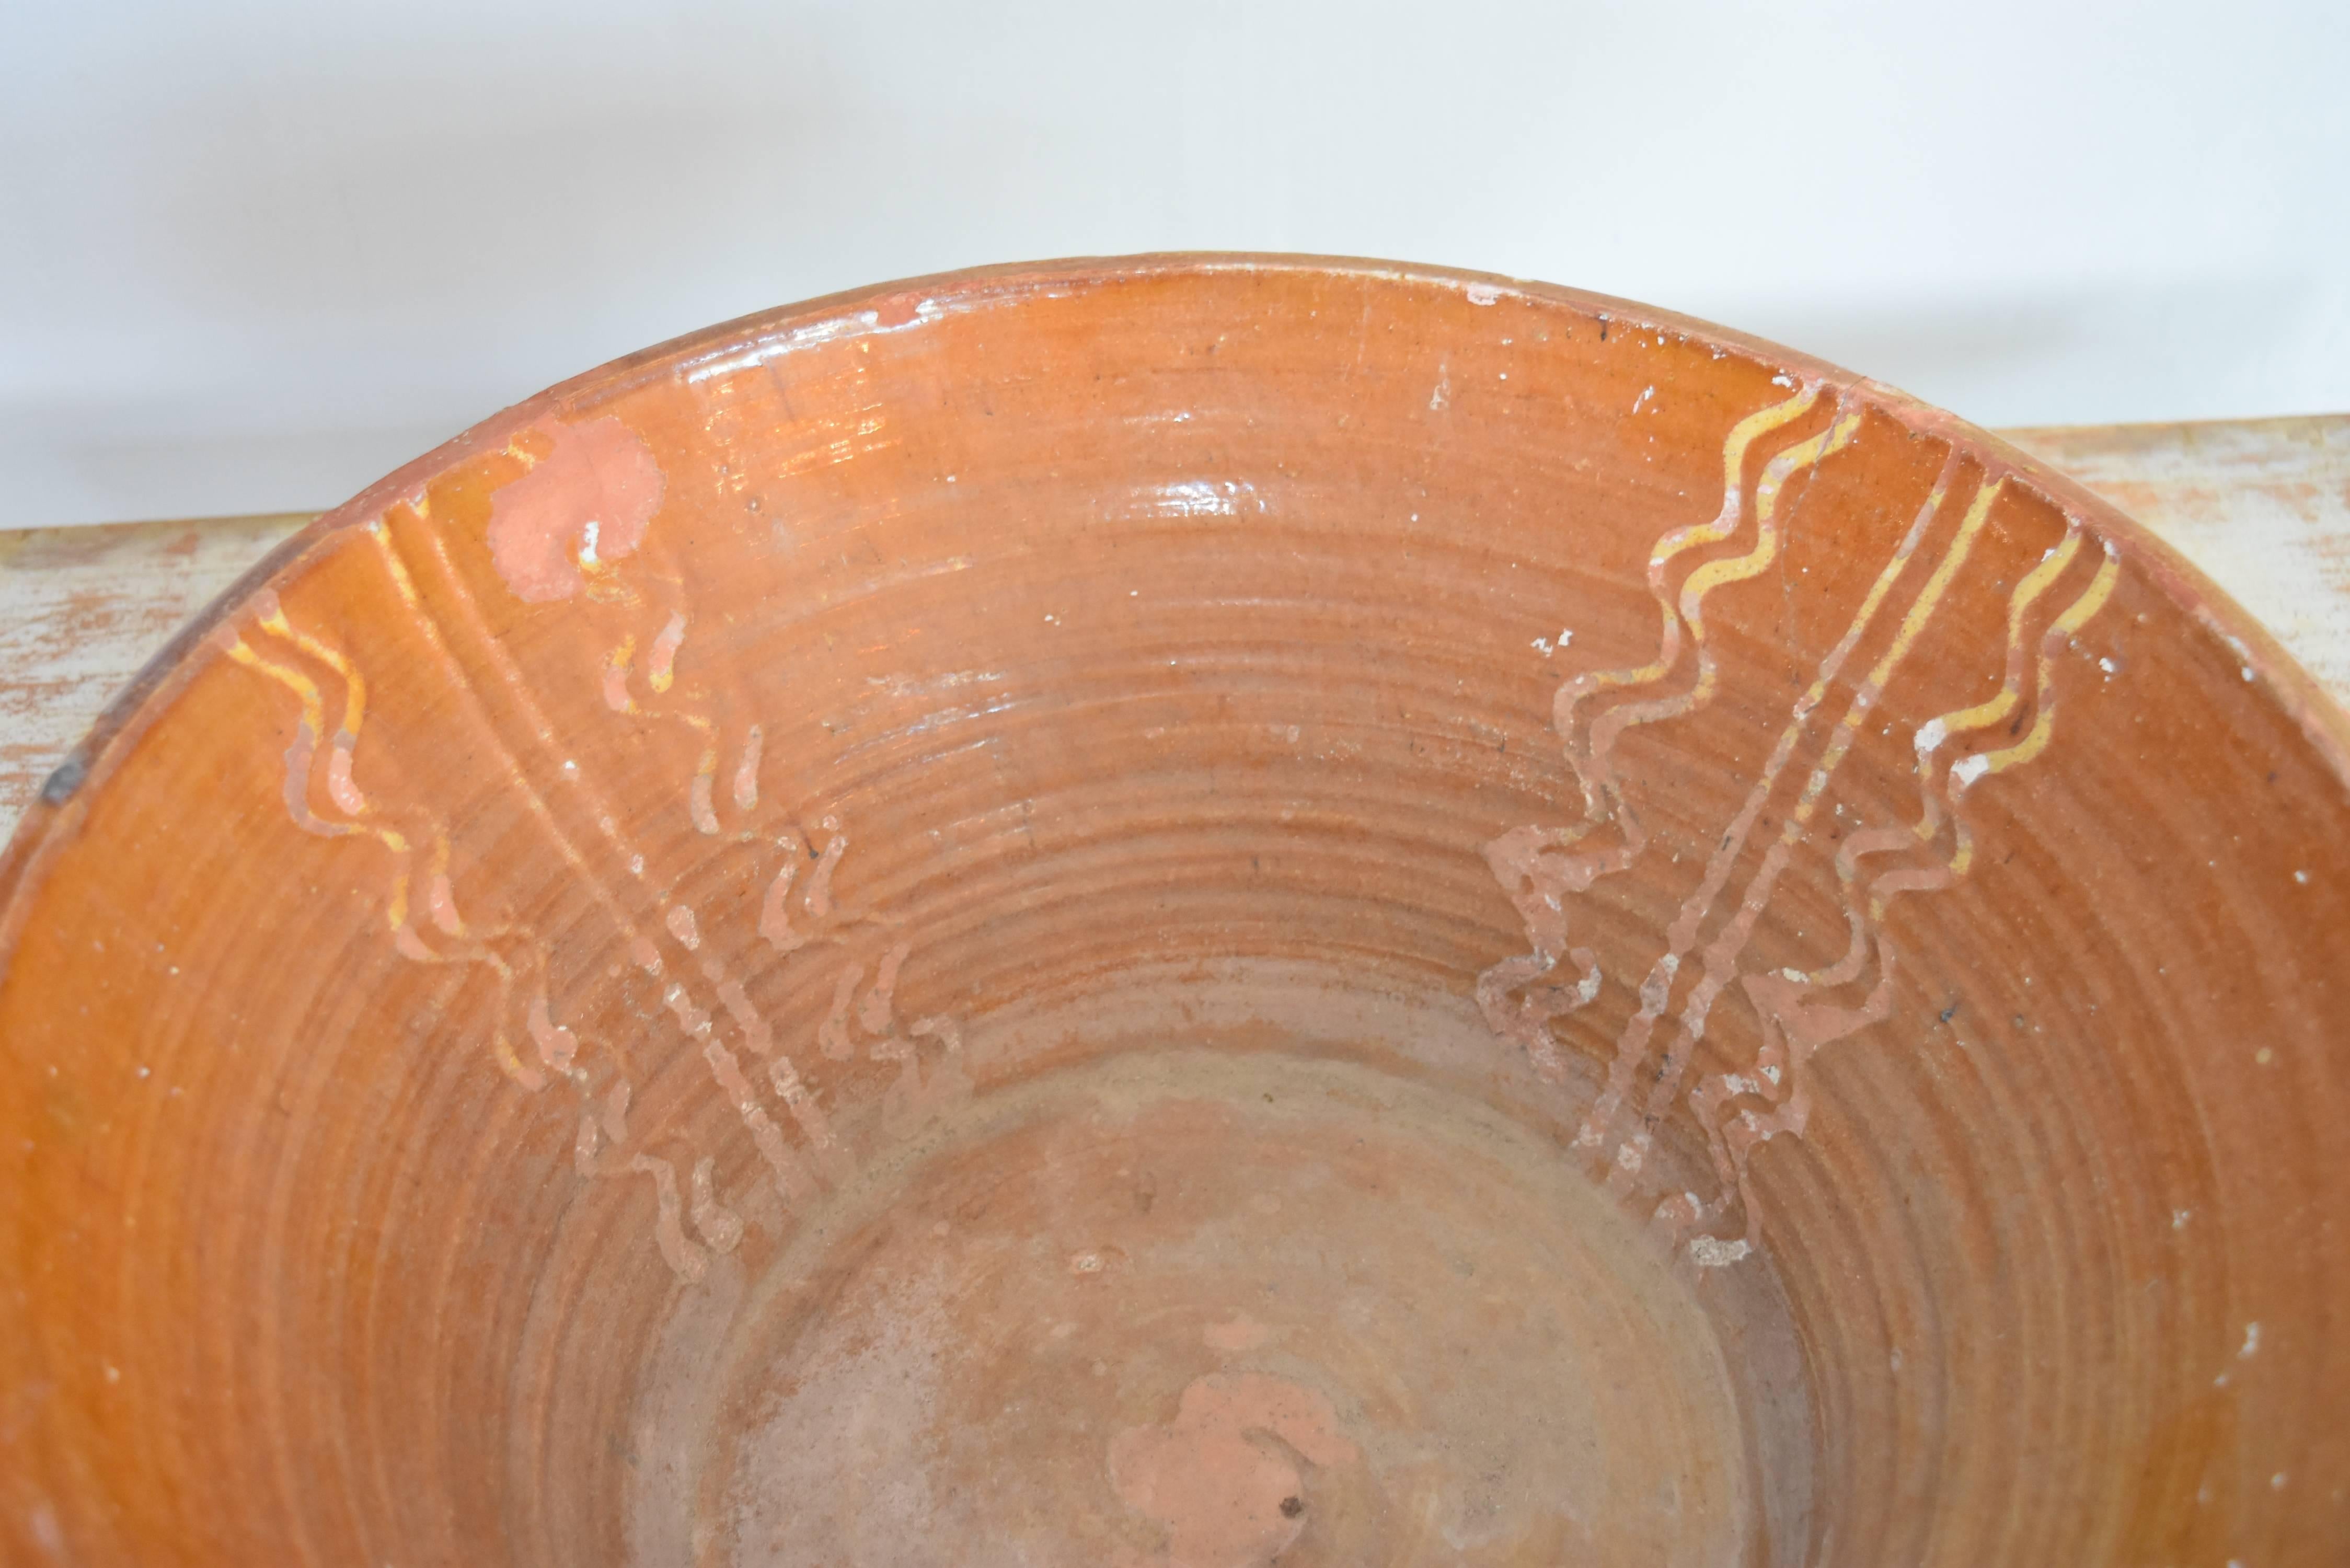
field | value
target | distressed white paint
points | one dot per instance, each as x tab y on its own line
2262	506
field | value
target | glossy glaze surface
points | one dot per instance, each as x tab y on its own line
1189	911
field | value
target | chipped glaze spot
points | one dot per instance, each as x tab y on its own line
599	472
1227	1496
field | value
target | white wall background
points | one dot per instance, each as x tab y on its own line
255	252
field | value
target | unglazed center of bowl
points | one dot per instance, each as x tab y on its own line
1203	1302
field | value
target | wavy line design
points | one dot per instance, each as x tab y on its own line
1589	742
1797	1014
1971	770
1793	1026
556	1048
1719	957
790	1165
638	679
1540	868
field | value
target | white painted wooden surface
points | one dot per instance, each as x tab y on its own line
2261	505
82	609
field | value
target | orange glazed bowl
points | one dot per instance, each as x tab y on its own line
1191	911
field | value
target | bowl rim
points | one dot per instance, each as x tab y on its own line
51	820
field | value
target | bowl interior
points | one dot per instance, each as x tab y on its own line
1190	912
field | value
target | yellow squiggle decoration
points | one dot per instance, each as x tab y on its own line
1937	806
1743	436
344	790
1588	756
1606	729
1803	455
1721	956
829	1152
1937	732
2035	740
298	764
340	787
1795	1025
1539	867
398	568
2027	593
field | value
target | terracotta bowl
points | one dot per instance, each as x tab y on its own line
1191	911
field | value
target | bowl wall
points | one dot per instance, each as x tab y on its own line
1185	911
